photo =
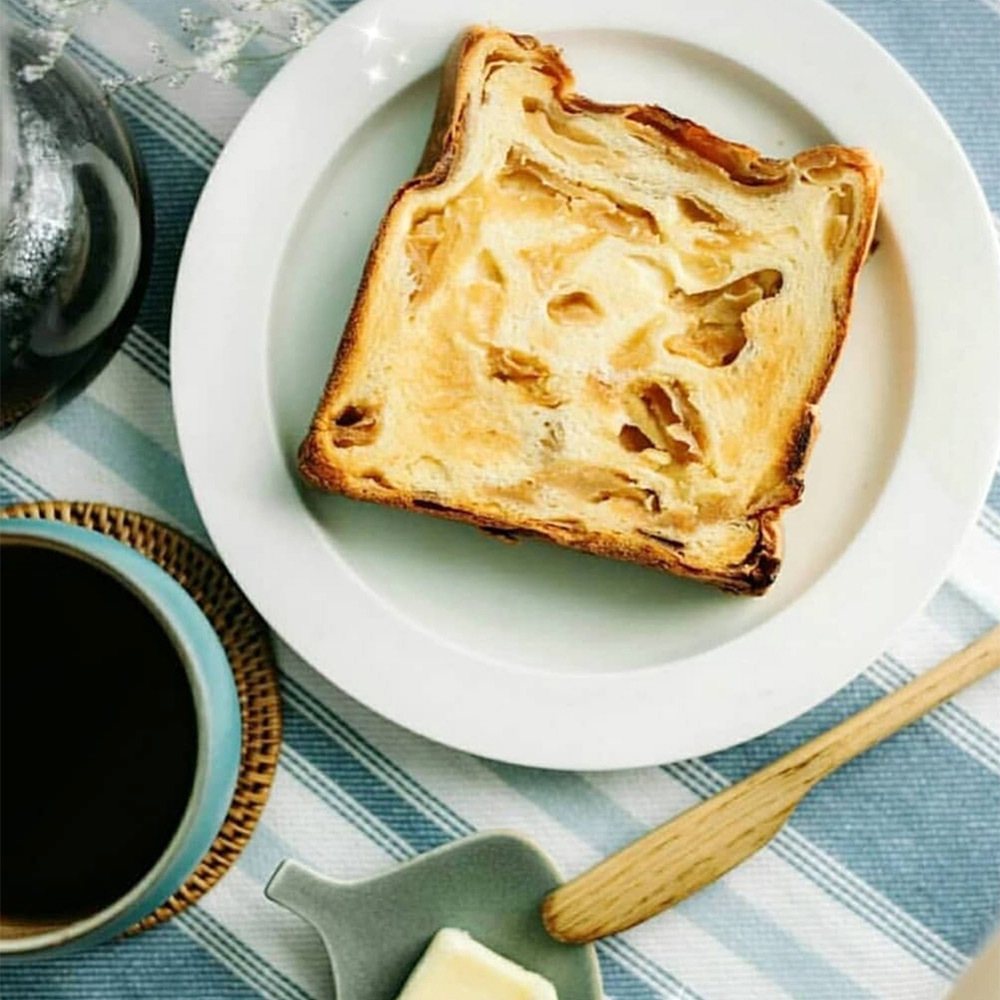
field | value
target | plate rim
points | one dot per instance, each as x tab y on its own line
533	728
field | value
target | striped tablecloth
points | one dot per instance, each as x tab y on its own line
884	883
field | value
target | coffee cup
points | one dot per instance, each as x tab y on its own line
120	737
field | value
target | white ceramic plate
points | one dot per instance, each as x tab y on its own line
530	653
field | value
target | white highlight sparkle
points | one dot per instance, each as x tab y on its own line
373	33
375	73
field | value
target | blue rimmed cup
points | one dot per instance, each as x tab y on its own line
218	734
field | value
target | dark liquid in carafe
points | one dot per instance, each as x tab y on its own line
98	736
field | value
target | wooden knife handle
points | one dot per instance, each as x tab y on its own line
685	854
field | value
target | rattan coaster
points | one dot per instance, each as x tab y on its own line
248	646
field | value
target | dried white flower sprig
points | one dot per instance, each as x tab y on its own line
59	18
216	45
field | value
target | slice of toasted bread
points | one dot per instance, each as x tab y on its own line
602	325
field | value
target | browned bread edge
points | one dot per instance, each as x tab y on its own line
741	164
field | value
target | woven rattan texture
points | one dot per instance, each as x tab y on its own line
245	638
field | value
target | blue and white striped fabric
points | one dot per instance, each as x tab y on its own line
885	881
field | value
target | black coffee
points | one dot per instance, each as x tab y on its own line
98	736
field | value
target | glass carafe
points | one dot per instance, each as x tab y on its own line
75	232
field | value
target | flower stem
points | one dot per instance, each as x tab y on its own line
270	57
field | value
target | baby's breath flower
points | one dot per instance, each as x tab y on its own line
159	56
216	43
302	27
222	44
225	73
52	41
61	16
109	84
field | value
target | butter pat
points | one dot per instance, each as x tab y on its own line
457	967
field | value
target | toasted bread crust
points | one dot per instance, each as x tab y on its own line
738	163
752	576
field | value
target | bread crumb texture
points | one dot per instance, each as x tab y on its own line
599	324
